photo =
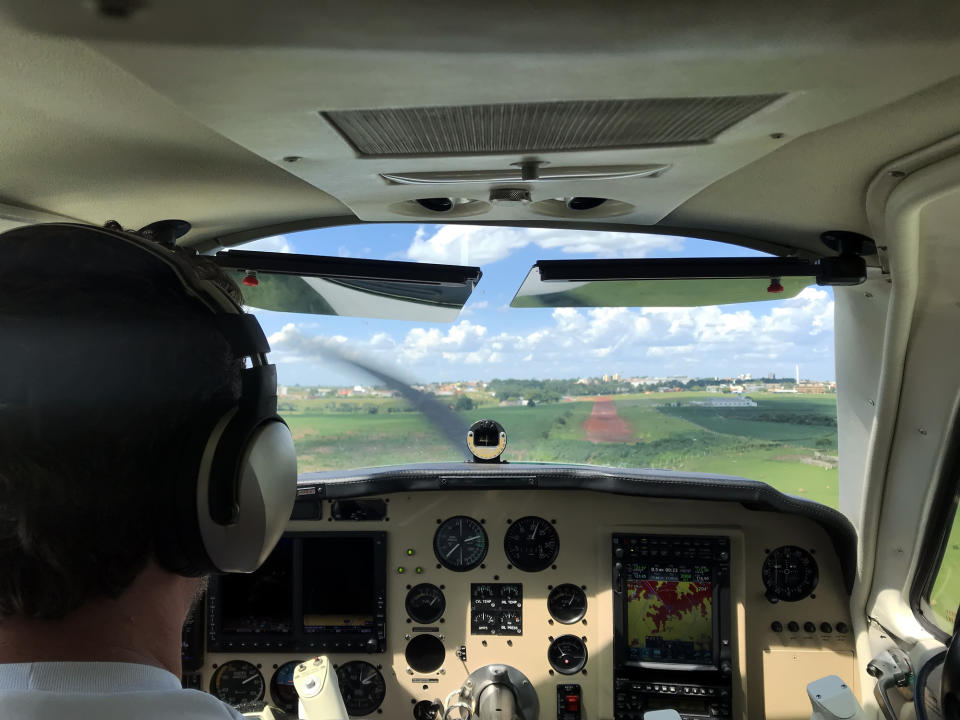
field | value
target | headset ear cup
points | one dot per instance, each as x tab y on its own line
178	545
267	488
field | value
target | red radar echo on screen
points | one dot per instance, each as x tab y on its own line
669	614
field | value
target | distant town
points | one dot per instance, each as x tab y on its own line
731	391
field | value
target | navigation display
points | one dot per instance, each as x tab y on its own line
260	602
669	613
338	583
317	591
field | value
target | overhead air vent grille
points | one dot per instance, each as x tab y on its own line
542	127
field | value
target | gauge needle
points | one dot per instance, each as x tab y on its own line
536	527
252	677
452	549
471	539
367	679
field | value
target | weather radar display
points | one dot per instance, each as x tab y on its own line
669	614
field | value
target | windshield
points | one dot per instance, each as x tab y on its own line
745	389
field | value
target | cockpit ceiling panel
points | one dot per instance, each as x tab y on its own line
545	126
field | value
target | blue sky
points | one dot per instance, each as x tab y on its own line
490	339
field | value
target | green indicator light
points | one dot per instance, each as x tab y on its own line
409	552
401	570
419	571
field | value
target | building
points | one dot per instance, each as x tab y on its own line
813	388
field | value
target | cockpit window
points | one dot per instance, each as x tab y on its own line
745	389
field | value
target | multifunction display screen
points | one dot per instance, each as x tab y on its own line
260	602
669	613
338	583
316	591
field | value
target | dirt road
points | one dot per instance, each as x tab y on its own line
605	424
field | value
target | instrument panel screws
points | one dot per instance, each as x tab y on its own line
922	431
292	158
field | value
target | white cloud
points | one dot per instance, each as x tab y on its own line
573	342
276	243
478	245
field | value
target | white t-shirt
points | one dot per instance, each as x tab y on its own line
101	691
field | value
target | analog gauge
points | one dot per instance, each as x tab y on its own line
237	682
509	591
361	686
460	543
567	654
567	603
425	603
281	687
789	573
531	544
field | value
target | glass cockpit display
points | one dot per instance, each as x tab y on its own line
316	591
261	601
669	613
347	562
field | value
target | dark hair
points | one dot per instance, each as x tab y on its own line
104	371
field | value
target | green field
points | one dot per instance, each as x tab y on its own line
787	441
945	596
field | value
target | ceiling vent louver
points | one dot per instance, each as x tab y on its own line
542	127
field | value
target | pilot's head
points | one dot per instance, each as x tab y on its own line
137	420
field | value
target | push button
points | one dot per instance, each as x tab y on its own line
572	703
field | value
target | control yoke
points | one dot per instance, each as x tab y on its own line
316	684
494	692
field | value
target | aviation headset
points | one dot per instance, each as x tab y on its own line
229	502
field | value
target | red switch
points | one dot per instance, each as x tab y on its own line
573	703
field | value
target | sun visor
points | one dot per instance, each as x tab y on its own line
686	282
383	289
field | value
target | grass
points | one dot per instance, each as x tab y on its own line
361	431
945	596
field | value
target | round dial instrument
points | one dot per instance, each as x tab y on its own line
361	686
567	603
789	573
567	654
460	543
531	544
425	603
281	687
237	682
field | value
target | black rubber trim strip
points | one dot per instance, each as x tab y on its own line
665	484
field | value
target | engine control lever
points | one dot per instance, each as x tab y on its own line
892	669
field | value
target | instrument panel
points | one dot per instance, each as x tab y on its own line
410	601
